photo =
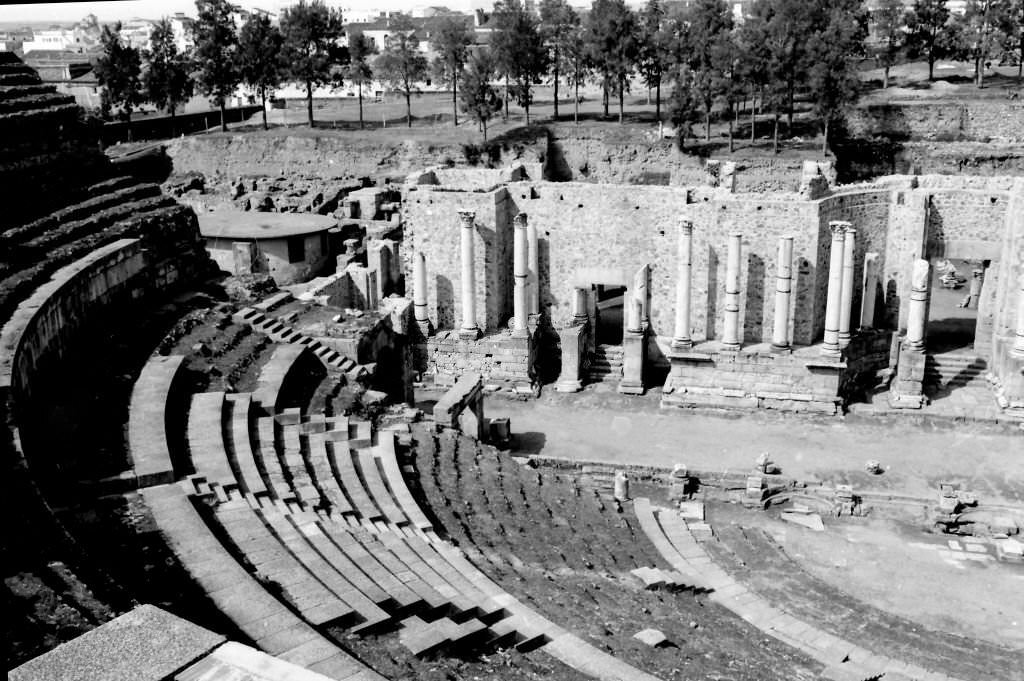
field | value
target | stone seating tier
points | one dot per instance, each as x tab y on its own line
147	420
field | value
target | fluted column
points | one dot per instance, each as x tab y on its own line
731	332
846	297
579	307
783	291
684	266
867	299
520	271
919	284
1018	340
469	326
533	274
835	288
419	291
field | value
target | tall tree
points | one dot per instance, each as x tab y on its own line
577	65
478	97
890	21
708	55
612	31
727	60
683	105
451	43
216	52
166	78
653	55
929	32
754	62
119	72
401	64
558	26
259	57
358	69
519	50
834	48
311	32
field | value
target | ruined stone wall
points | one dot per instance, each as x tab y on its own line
432	227
966	223
944	120
1010	275
498	357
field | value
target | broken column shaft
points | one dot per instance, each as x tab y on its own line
867	300
783	291
419	292
835	287
731	332
684	268
846	297
469	326
918	313
520	269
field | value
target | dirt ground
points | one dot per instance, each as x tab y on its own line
603	426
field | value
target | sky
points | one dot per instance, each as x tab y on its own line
112	10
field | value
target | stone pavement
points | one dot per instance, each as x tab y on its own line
613	429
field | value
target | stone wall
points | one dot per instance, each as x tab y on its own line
496	357
965	223
944	120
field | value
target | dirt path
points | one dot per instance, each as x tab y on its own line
607	427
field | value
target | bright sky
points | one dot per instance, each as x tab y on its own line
112	10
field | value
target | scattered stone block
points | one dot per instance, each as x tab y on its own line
873	467
692	510
621	490
371	397
811	521
651	637
701	529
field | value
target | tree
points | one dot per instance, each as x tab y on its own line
612	32
725	56
216	52
577	65
358	69
401	64
683	105
519	50
983	33
653	56
558	27
929	32
708	55
259	55
119	70
166	79
833	47
890	32
311	32
451	42
478	97
753	61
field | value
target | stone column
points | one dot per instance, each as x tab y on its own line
419	292
846	297
1018	340
835	288
783	291
731	333
469	328
579	306
533	260
681	338
977	279
918	312
867	299
520	269
634	314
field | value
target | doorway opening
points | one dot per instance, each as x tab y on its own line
608	314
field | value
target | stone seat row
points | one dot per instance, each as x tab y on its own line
844	660
280	332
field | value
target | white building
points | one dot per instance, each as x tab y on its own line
56	38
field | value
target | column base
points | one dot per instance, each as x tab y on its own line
898	401
630	387
844	338
829	350
521	333
469	334
424	327
568	386
916	346
732	347
781	349
682	344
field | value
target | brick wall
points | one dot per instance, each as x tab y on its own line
498	357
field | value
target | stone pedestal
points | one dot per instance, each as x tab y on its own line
681	338
846	297
833	302
634	354
573	340
783	292
731	328
468	329
907	389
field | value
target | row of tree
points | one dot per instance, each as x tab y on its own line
782	51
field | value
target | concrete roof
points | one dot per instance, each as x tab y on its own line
227	224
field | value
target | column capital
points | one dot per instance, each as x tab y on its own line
838	228
467	217
519	220
686	226
850	229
